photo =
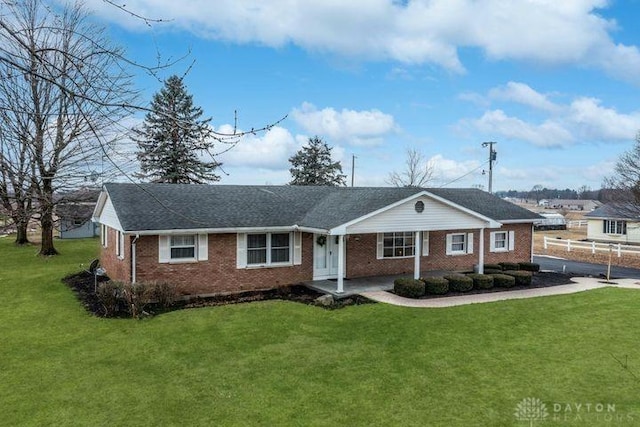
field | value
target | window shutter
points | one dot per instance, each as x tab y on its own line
164	252
492	242
512	240
203	247
380	246
448	249
425	243
241	252
297	248
470	243
604	226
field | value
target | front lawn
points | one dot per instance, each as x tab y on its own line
279	362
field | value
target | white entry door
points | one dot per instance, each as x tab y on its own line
325	257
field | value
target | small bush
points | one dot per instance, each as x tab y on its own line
509	266
459	282
137	296
492	267
481	281
503	281
529	266
164	294
409	288
436	285
110	295
493	270
523	278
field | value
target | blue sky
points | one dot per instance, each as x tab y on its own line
556	84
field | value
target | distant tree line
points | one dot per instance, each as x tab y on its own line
539	192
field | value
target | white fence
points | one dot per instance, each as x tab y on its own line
593	247
577	224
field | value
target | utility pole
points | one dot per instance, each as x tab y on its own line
492	158
353	168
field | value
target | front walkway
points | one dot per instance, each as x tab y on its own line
581	284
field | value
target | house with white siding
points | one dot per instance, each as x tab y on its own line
210	239
614	222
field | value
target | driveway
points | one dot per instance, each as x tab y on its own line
584	268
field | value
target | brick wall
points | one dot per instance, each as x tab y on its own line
117	269
219	274
362	262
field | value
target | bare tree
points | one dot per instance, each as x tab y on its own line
66	89
623	187
417	173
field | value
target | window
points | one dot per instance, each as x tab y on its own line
183	246
614	227
103	235
502	241
398	245
268	248
459	243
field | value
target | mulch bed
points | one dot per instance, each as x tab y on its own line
82	284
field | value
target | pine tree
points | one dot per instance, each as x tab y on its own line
312	165
172	137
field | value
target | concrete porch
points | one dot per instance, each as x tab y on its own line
364	284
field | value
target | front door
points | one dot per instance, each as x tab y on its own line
325	257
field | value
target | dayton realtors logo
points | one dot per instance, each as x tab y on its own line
532	410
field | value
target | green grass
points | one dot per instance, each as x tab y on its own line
275	362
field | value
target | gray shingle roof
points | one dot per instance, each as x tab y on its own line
182	206
616	211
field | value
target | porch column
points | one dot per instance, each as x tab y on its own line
481	254
340	288
417	249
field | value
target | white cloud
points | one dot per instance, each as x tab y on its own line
601	123
546	134
448	171
413	32
268	151
523	94
363	128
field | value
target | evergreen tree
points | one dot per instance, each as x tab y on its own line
312	165
172	137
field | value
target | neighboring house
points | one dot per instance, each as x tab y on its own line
573	205
74	211
218	238
614	222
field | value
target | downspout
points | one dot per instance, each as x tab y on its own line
133	258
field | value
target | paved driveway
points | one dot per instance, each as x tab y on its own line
584	268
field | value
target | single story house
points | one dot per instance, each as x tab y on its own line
211	239
74	211
614	222
571	204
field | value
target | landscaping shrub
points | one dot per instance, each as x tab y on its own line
503	281
436	285
459	282
529	266
523	278
509	266
481	281
137	296
110	295
409	288
164	293
492	267
493	270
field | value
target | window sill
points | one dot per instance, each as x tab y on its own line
258	266
398	257
499	250
183	261
457	253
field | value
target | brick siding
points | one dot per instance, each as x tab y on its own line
220	275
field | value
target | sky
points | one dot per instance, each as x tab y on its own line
554	83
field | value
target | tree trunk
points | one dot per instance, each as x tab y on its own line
21	233
46	220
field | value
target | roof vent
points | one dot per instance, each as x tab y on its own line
419	206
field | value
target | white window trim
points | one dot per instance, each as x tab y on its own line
104	235
184	259
268	249
201	250
120	244
468	244
381	245
623	226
